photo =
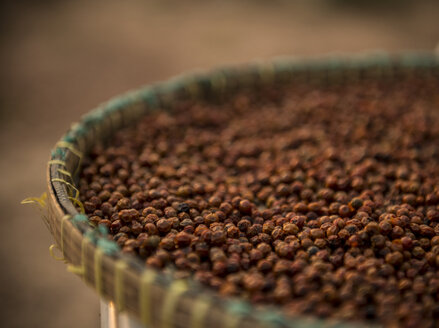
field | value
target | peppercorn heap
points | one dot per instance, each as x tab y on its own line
322	200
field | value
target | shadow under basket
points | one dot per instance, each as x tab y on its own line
154	298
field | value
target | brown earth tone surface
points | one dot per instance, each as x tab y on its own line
59	60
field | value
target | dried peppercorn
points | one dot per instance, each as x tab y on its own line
163	225
319	218
182	239
183	207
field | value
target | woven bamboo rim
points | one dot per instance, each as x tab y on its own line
154	297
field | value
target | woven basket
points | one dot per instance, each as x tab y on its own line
154	297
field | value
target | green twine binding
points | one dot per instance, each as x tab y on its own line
239	308
204	84
237	311
69	137
318	65
98	236
381	60
94	117
78	130
284	65
190	85
79	218
411	60
109	247
172	86
273	318
59	153
149	96
90	235
102	229
120	103
218	81
116	105
334	63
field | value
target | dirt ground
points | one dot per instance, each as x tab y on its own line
59	59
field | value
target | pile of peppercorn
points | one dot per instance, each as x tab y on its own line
323	200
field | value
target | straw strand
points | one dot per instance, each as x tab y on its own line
199	312
98	270
119	268
146	280
177	288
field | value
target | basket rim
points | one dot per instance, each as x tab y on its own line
66	158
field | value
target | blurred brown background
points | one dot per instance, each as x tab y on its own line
59	59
